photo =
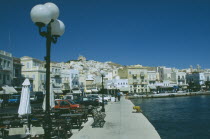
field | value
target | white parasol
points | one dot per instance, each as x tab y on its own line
25	106
52	99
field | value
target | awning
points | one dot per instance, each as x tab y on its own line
76	91
166	86
9	90
152	87
203	86
184	87
124	89
94	90
88	91
58	91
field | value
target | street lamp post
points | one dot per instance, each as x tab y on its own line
102	75
46	16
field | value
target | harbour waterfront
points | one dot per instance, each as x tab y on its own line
163	95
121	123
178	117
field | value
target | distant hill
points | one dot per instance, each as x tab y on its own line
151	68
114	64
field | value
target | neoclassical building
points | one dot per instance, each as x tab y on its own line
6	68
137	79
34	69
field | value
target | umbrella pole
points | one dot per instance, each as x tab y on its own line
28	126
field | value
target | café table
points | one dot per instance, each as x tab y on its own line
74	117
83	111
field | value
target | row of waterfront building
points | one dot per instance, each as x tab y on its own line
81	75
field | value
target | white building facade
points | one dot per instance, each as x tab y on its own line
6	68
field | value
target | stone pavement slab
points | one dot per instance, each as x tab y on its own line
121	123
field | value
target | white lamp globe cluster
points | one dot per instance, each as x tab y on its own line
102	72
43	14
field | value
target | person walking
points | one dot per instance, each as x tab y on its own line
1	102
115	96
118	95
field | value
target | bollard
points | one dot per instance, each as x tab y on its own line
137	108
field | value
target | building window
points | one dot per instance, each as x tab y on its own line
27	65
34	77
8	64
7	77
4	64
16	72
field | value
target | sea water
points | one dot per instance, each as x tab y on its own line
178	117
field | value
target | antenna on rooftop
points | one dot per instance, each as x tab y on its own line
9	49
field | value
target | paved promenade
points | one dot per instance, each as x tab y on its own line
121	123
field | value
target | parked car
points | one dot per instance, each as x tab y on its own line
39	96
33	97
94	101
86	101
65	104
68	97
106	98
14	99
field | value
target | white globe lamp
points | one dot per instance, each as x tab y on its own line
40	15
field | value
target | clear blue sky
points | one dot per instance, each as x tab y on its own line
174	33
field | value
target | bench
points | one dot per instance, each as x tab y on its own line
98	118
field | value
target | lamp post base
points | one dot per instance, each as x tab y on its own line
47	126
102	110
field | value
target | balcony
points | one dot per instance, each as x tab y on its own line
143	83
37	68
65	81
142	74
57	85
5	53
5	69
135	81
56	74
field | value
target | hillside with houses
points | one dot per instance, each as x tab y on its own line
84	76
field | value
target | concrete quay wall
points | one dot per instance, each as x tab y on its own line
121	123
168	95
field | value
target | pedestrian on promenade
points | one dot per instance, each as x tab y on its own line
115	96
118	95
1	102
5	100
